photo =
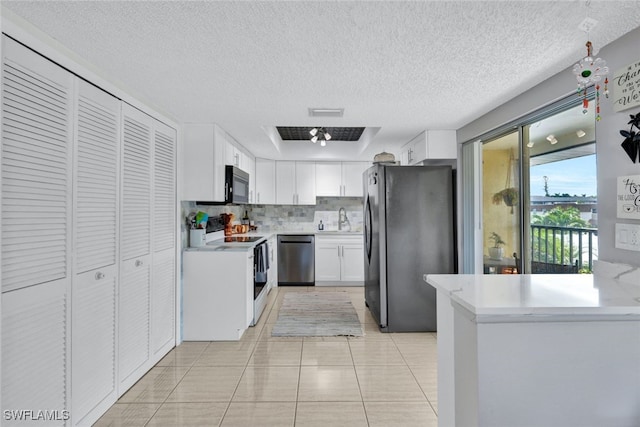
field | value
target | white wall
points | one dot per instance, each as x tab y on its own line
612	161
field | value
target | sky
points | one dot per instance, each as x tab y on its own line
574	176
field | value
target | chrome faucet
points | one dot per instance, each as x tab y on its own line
343	220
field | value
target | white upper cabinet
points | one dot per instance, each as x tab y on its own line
352	178
203	164
430	144
305	183
286	183
295	183
250	168
328	179
265	179
339	179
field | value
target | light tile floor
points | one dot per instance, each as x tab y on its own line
380	379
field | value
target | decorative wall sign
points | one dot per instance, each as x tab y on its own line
631	143
629	196
626	87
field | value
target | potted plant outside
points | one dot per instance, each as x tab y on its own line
496	251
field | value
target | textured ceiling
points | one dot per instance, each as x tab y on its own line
400	67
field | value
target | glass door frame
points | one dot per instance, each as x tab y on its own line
472	218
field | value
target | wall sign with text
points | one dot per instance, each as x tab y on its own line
629	196
626	87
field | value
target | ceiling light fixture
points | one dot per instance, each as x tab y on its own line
321	134
580	133
552	139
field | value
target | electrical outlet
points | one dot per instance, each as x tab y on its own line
628	237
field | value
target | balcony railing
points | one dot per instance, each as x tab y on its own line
571	247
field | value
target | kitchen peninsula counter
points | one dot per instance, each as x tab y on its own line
531	350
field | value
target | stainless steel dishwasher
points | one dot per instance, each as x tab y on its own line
296	259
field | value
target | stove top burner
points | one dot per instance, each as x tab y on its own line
228	239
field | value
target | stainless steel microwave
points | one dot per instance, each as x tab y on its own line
236	186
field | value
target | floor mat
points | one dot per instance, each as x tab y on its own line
317	314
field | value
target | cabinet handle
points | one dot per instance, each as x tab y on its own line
139	263
99	275
258	197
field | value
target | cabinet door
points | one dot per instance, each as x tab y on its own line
136	184
352	172
329	179
250	168
285	183
419	150
36	168
133	321
352	262
94	285
405	155
265	178
327	261
198	169
305	183
442	144
229	153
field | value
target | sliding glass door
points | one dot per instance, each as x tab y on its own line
537	195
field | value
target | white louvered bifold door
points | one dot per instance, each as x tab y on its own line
36	149
164	184
136	183
135	240
163	305
94	284
36	200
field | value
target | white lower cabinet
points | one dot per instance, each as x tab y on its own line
217	294
272	274
339	258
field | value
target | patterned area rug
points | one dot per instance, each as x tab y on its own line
317	314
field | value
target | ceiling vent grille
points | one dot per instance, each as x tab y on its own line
326	112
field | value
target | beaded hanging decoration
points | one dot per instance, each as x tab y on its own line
591	71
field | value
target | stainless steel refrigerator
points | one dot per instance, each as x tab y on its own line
409	231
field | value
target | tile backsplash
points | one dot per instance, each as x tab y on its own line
270	218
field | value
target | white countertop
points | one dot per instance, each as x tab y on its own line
539	297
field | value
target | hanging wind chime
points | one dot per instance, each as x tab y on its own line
590	71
